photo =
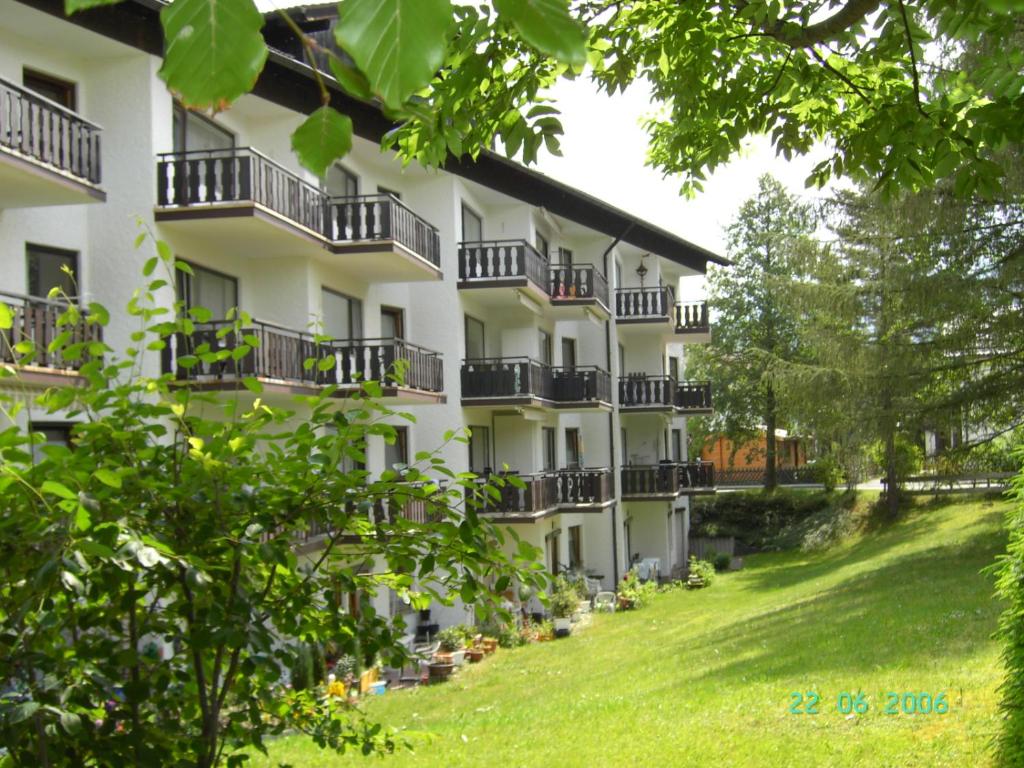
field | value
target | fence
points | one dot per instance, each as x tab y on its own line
722	545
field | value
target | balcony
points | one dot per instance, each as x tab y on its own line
48	154
693	398
667	480
644	309
547	493
511	274
522	382
640	393
692	323
277	359
240	201
35	320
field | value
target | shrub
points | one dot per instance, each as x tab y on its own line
828	471
909	456
564	599
703	569
722	561
302	668
451	639
638	593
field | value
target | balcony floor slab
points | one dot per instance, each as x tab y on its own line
26	182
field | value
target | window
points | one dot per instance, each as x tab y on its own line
392	323
573	448
545	347
618	275
479	449
194	132
472	225
565	257
677	445
341	182
551	541
622	360
568	353
673	368
398	451
475	347
54	433
543	246
548	435
46	270
622	443
627	539
215	291
575	547
342	315
53	88
386	191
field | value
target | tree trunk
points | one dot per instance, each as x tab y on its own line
770	474
892	488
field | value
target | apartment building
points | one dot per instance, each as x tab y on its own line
536	315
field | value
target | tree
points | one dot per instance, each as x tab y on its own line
756	344
882	82
151	594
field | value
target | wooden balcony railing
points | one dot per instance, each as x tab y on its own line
584	486
382	217
582	384
692	317
507	377
693	396
648	392
496	260
650	480
35	320
644	303
239	174
48	133
518	377
696	475
577	281
280	354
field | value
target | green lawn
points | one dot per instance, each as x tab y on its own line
703	678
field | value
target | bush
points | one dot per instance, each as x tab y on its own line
451	639
722	562
302	668
909	456
828	471
564	599
636	592
703	569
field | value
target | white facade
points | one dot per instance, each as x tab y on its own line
281	270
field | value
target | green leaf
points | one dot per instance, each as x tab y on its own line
108	477
6	316
70	722
82	518
350	78
323	137
58	489
73	6
399	44
548	27
150	265
214	50
22	712
253	385
98	313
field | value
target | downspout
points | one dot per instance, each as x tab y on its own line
615	398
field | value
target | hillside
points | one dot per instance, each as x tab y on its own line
704	678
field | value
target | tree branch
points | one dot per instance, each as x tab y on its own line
796	36
913	59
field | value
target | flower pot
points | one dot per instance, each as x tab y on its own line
440	672
563	626
489	644
475	654
442	657
459	657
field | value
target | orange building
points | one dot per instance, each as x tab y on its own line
789	450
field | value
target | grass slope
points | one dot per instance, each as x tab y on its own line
703	678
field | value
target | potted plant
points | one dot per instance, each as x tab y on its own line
439	670
450	642
563	603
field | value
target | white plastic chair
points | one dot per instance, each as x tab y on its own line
605	601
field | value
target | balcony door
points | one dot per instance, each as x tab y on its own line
341	182
475	346
53	88
548	434
194	133
677	445
573	448
392	323
544	351
575	547
551	544
51	268
568	353
342	315
472	225
479	449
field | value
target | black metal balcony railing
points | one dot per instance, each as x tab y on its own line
582	384
35	320
35	127
692	316
501	260
644	303
239	174
516	377
577	281
643	391
693	396
280	354
382	217
696	475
